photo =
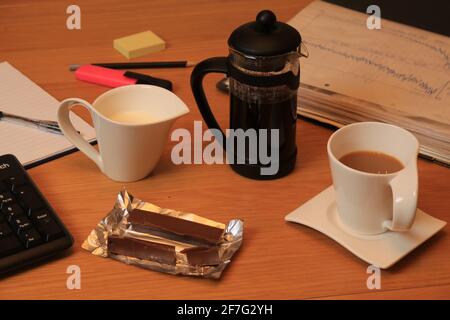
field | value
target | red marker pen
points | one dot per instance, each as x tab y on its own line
117	78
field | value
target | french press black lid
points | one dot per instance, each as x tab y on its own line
265	36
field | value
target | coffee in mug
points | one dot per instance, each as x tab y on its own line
372	162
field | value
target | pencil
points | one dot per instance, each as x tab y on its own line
139	65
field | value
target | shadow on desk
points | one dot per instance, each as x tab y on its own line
39	264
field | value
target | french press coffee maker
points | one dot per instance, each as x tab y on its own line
263	70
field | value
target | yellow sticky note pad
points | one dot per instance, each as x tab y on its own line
139	44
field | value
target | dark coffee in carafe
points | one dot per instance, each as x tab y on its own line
264	117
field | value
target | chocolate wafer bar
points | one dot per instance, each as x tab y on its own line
146	221
202	256
145	250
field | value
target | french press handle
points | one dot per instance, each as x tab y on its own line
211	65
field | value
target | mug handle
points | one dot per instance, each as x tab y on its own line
404	188
211	65
71	133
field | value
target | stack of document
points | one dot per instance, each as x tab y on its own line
397	74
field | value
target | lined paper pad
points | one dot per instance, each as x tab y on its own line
21	96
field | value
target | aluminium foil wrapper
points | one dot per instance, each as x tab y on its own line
116	224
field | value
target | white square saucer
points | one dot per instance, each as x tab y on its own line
381	250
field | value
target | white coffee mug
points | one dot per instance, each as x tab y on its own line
370	203
132	124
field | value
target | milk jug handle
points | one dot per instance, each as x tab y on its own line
72	134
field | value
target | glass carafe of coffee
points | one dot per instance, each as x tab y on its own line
263	70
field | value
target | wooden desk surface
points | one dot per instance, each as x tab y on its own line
277	259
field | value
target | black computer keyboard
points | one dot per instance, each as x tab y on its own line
29	228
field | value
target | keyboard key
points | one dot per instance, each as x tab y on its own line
29	198
5	230
14	182
20	224
48	228
5	199
39	215
9	245
30	238
12	210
